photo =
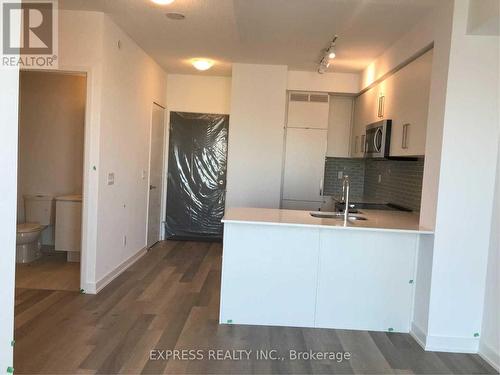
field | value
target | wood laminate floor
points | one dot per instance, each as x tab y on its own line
51	271
169	300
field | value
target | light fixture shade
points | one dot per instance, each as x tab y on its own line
202	64
163	2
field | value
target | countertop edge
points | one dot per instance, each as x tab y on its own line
330	227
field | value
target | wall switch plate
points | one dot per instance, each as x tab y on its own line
144	174
111	178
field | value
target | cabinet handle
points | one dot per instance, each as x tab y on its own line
381	105
404	141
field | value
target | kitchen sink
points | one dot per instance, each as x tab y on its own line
336	215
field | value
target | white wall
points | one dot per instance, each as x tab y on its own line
80	49
51	134
489	345
9	99
341	83
470	145
131	82
255	154
484	17
196	93
123	83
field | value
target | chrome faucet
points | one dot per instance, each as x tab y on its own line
346	185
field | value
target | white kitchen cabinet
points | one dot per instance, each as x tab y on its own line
365	280
269	277
409	107
339	126
305	151
308	110
403	98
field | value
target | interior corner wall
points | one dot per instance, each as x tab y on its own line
256	130
131	82
489	345
470	144
9	98
198	93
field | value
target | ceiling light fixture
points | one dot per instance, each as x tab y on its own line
328	55
202	64
163	2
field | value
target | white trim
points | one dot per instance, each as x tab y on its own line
452	344
418	334
487	353
94	288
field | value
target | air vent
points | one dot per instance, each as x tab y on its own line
318	98
298	97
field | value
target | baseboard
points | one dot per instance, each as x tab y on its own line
489	355
448	344
94	288
452	344
418	334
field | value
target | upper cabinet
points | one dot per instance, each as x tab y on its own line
308	110
339	126
403	98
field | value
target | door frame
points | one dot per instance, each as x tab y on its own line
90	175
163	194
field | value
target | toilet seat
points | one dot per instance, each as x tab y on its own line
29	228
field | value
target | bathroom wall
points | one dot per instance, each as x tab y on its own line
400	181
51	134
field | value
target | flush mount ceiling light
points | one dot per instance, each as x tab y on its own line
327	57
202	64
163	2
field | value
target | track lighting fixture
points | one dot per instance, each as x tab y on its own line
328	56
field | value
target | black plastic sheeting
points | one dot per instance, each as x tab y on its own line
196	187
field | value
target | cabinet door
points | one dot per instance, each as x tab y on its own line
410	107
367	287
304	164
339	126
312	113
269	275
365	113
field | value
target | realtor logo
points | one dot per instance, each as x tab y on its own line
29	34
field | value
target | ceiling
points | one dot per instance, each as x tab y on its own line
288	32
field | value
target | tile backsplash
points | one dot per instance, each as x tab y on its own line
387	181
354	168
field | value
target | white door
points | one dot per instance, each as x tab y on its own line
304	164
156	174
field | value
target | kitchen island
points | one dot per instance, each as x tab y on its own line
288	268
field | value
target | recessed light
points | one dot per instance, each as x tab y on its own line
163	2
175	16
332	55
202	64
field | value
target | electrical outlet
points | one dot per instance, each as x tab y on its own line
340	175
379	178
111	178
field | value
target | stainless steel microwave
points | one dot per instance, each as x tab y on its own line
378	139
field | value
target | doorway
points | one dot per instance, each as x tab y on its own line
196	187
52	114
156	175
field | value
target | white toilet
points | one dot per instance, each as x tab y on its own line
39	213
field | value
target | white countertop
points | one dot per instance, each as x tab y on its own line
378	220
